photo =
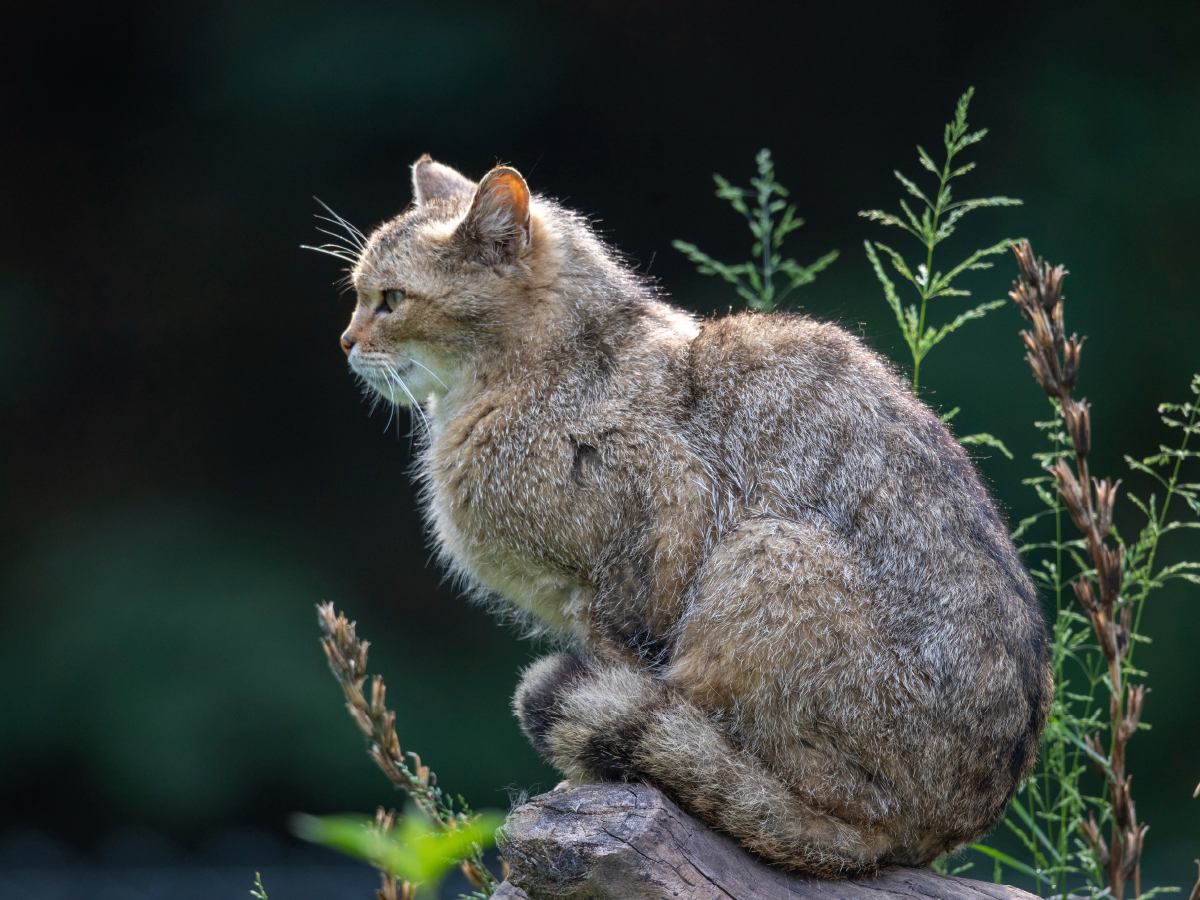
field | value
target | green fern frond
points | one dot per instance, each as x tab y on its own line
765	281
938	219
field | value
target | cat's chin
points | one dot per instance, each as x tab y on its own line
392	396
383	379
405	382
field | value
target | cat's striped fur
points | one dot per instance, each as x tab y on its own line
786	598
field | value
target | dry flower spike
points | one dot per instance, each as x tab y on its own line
1054	359
347	655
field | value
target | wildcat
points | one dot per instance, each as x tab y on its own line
785	596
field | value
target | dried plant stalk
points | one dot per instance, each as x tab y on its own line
1054	359
393	888
347	655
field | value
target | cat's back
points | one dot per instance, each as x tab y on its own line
795	405
809	422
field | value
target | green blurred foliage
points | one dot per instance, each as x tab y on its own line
412	850
175	659
346	68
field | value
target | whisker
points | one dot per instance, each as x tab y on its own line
340	238
417	406
391	377
341	248
429	370
350	228
342	252
391	413
353	236
328	252
371	391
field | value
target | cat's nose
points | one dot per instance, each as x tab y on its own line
347	343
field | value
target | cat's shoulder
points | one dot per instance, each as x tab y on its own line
788	347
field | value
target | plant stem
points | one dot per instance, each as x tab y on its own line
1148	570
937	212
764	220
1058	671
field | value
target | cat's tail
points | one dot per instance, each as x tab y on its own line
606	722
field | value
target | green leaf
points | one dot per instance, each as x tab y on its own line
801	275
971	262
878	215
893	300
1026	523
981	202
919	227
960	110
1179	570
986	439
788	223
900	265
911	187
1136	501
1036	829
804	274
734	195
956	211
706	265
415	851
1006	859
932	338
968	139
927	161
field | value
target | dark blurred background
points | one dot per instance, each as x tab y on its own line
187	467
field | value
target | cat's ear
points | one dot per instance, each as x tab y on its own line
499	218
433	181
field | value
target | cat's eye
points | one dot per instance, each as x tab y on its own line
393	298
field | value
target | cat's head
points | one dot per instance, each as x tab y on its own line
442	282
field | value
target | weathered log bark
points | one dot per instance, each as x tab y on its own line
626	841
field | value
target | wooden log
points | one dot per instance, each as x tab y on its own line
630	842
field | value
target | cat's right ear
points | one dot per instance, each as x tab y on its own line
433	181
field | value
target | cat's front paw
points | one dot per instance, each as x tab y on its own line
538	701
